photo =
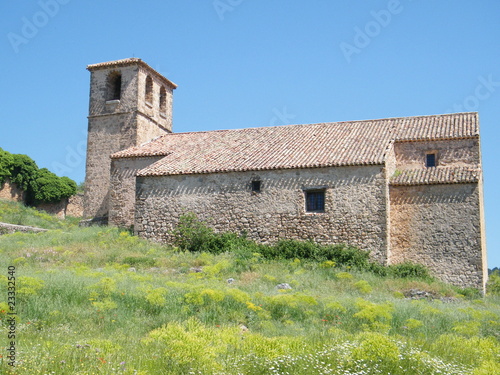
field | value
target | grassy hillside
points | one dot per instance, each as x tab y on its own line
16	213
100	301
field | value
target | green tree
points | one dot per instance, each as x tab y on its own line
47	187
24	171
6	162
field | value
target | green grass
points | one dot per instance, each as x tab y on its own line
15	213
100	301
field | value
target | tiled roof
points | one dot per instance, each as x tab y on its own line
436	175
295	146
456	125
130	61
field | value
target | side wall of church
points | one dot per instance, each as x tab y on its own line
355	205
122	192
449	153
439	226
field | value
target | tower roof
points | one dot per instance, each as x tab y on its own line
127	62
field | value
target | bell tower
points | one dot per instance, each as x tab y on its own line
130	104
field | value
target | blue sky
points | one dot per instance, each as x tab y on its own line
247	63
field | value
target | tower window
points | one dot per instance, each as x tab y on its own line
315	200
430	160
163	100
114	86
256	186
149	89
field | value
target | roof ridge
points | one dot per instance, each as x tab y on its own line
317	123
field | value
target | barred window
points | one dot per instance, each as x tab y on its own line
315	200
430	160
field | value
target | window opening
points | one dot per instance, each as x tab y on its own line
315	201
430	160
256	186
163	100
149	89
114	86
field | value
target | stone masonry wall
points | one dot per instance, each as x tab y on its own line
439	226
115	125
151	110
107	134
461	152
122	193
11	192
355	209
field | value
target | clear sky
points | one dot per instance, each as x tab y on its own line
248	63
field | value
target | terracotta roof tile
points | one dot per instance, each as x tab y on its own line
436	175
295	146
130	61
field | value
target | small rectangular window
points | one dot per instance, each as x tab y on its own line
430	160
256	186
315	201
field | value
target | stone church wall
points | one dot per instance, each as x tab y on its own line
355	205
459	152
122	192
439	226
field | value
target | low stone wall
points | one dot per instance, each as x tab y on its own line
11	192
6	228
73	206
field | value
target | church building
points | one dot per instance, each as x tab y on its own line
404	189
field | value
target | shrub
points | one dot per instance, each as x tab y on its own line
41	185
493	286
363	286
24	170
47	187
292	249
6	162
191	234
350	257
409	270
376	347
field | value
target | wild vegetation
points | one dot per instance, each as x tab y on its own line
102	301
40	185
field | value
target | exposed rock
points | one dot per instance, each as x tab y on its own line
283	286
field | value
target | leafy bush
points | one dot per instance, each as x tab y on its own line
24	170
191	234
194	235
6	162
47	187
41	185
409	270
291	249
493	286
